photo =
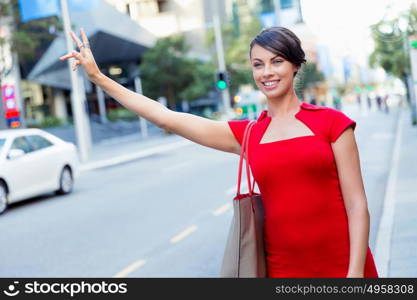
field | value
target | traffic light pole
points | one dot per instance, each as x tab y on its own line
220	55
277	9
82	130
412	80
142	122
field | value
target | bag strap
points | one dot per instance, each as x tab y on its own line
248	171
244	153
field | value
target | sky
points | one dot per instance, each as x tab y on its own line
343	25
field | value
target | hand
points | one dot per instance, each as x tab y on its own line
84	57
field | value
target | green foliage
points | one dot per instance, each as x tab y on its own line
4	9
121	113
201	75
167	71
389	52
48	121
306	77
237	50
341	89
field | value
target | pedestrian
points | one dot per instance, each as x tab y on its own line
337	102
304	160
313	101
385	100
369	101
379	101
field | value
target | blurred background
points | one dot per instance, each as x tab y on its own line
131	199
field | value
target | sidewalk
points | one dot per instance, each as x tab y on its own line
127	148
396	247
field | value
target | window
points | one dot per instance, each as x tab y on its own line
162	6
22	144
286	4
37	142
268	5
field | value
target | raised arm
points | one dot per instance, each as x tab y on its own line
210	133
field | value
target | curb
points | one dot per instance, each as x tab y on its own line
384	235
133	156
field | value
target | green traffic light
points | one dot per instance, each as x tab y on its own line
221	84
414	44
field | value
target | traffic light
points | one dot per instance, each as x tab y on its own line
413	43
221	80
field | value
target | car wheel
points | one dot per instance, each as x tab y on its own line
66	182
3	197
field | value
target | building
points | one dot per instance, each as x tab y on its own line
117	47
167	17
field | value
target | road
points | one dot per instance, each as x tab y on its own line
166	215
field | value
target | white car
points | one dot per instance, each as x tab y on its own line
34	162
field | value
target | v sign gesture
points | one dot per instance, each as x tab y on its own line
84	57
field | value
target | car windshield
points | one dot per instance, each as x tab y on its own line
2	141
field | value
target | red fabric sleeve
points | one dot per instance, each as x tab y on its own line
339	122
238	128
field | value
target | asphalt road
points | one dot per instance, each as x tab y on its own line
167	215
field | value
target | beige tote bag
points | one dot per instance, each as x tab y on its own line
244	256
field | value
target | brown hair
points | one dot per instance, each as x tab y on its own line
280	41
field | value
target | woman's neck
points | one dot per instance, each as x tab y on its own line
284	106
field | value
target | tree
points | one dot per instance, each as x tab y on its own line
26	40
307	77
237	50
167	71
389	52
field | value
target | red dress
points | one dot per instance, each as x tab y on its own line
306	224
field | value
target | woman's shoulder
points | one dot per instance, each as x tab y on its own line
324	112
329	121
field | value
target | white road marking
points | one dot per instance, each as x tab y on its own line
222	209
130	269
183	234
383	242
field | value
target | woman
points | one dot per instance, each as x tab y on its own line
304	158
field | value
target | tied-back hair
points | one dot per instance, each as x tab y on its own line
280	41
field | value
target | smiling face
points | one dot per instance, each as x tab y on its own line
273	74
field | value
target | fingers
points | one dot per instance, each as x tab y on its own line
73	54
75	63
64	57
80	45
84	37
76	40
